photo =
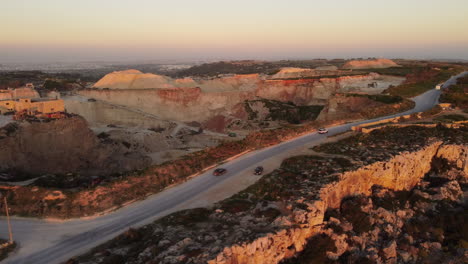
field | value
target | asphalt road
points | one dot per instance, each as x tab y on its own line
48	242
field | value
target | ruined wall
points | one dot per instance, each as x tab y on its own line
400	173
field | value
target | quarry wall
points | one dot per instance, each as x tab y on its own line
220	96
102	113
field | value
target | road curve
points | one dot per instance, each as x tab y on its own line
48	242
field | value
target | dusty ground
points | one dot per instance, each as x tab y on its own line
161	140
383	82
4	120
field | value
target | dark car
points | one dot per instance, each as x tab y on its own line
219	172
322	130
258	170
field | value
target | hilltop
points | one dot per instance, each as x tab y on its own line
370	64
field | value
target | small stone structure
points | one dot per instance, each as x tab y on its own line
32	106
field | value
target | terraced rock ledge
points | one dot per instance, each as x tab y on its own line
275	219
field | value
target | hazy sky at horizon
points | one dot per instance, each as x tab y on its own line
121	30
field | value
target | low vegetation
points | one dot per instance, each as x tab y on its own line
457	94
396	71
422	80
382	98
250	67
284	111
6	249
15	79
379	144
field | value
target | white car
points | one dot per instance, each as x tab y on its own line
322	131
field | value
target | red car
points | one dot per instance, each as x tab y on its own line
219	172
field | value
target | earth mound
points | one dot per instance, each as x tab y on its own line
289	72
134	79
370	64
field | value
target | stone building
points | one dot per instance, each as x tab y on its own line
32	106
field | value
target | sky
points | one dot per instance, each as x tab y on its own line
184	30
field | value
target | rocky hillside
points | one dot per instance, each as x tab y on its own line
369	64
62	146
274	219
421	225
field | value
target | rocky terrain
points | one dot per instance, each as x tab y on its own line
203	100
62	146
162	140
423	225
308	200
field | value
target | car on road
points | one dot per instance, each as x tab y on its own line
258	170
322	130
219	171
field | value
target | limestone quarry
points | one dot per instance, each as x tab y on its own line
276	218
189	100
130	105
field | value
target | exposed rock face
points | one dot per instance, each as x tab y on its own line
370	64
238	82
62	146
400	173
286	73
421	225
102	113
291	73
184	100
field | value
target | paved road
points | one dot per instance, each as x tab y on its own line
48	242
